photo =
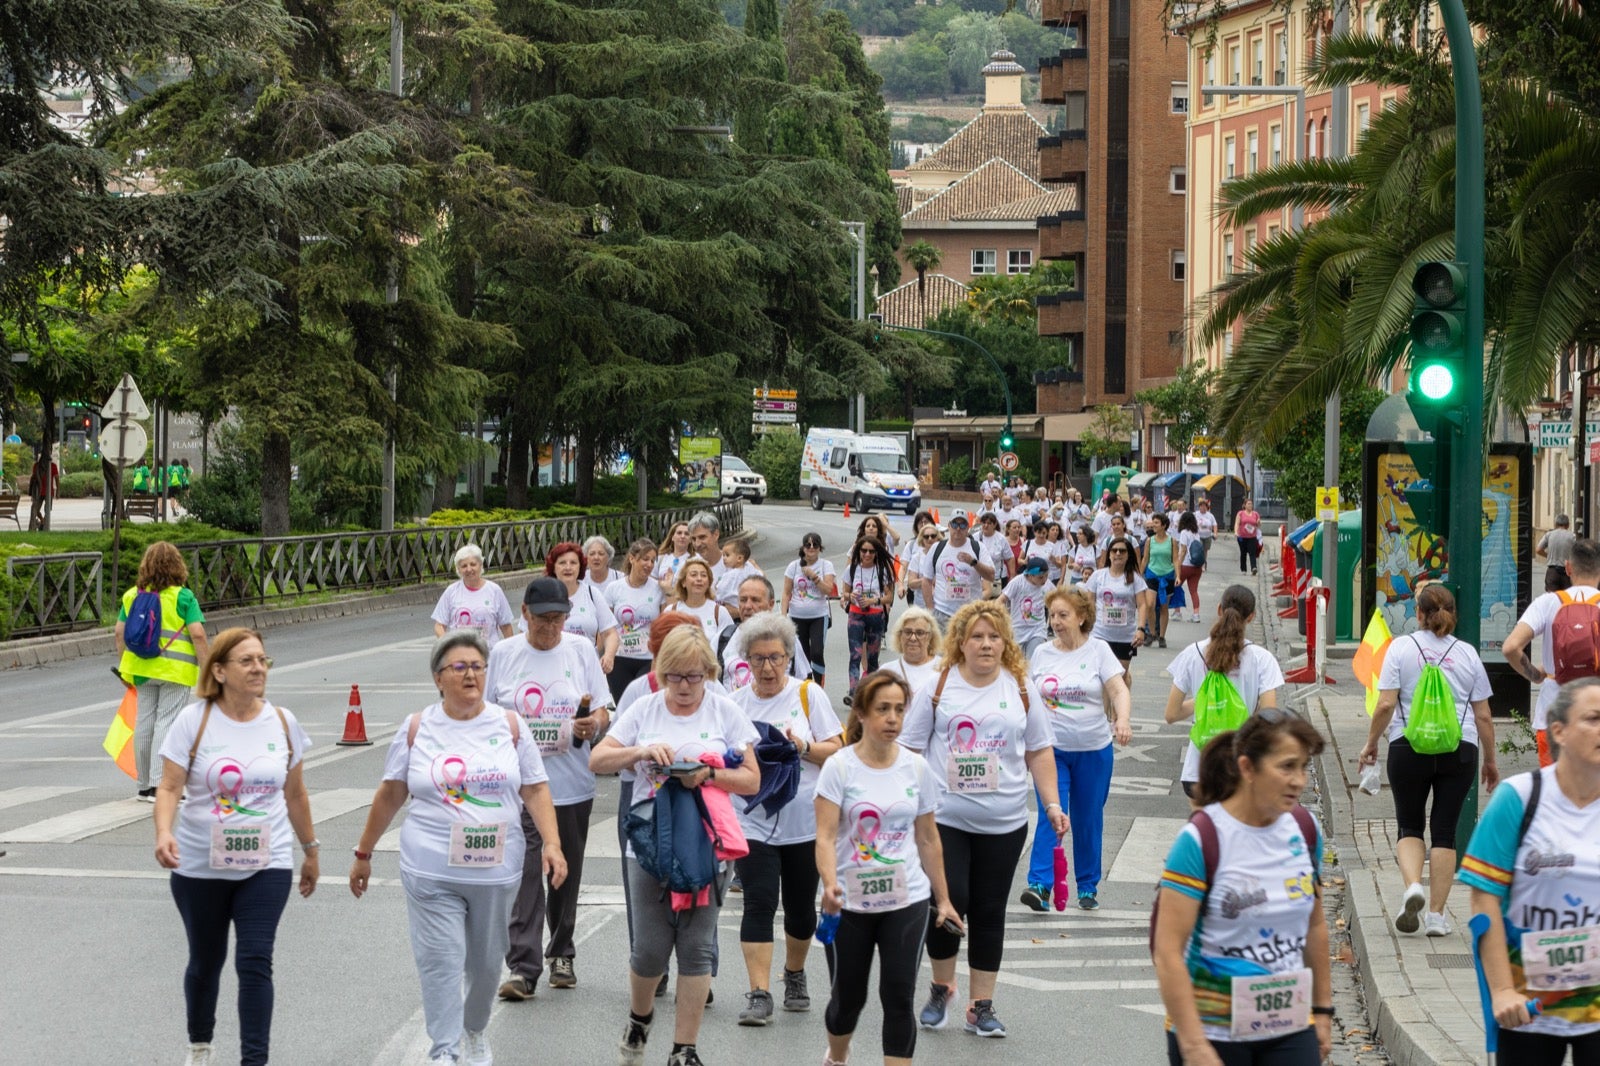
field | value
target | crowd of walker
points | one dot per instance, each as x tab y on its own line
901	824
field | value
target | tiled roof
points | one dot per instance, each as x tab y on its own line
911	305
990	186
1031	208
1009	135
904	197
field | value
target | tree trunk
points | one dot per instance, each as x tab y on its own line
275	470
516	469
583	469
444	489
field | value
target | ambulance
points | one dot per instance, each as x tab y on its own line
862	470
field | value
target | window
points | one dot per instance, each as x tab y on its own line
1311	139
1178	180
1280	50
1233	64
1363	118
1019	260
1249	240
1228	165
1369	19
1322	135
1252	151
1227	344
1180	98
1258	61
1180	263
1075	112
983	260
1273	231
1211	68
839	455
1275	145
1227	256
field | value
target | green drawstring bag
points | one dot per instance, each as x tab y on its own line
1432	727
1218	707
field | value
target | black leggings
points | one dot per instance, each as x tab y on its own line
813	633
1539	1049
769	868
1296	1049
1249	552
624	672
897	938
1412	776
978	869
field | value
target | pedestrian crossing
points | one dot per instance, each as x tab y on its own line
82	823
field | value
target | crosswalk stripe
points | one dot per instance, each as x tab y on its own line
332	803
17	797
76	825
1070	943
1143	854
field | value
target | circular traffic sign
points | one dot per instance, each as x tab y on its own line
1008	461
123	448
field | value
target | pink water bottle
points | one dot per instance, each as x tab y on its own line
1060	891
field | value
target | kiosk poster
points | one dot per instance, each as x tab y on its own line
700	467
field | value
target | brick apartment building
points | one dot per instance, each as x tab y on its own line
1123	84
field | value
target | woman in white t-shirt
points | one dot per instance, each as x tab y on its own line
783	841
808	584
1241	942
1412	776
694	598
635	602
473	602
467	766
590	617
1121	603
868	594
681	723
1078	676
671	554
1530	900
1025	596
231	851
923	541
880	870
915	635
1249	668
598	555
986	734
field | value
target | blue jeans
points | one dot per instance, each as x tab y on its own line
1083	778
252	906
865	632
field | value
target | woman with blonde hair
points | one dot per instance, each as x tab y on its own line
985	731
670	556
693	591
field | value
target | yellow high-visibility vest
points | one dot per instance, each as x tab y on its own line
177	660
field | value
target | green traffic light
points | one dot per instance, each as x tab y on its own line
1436	381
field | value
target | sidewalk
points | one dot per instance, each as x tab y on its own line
80	514
1421	992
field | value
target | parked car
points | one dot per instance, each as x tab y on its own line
739	480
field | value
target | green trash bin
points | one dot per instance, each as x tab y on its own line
1348	592
1111	478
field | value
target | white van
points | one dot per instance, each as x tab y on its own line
864	471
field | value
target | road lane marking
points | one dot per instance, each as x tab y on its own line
1143	854
1039	984
17	797
76	825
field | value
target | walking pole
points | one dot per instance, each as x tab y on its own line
1491	1028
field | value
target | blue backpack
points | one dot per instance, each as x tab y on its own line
141	633
671	839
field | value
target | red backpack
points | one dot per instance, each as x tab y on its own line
1575	638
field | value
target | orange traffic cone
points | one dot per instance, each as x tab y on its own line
936	517
355	723
847	510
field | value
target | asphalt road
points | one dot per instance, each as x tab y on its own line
90	930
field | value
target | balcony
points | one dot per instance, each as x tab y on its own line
1062	13
1061	75
1063	236
1062	314
1064	156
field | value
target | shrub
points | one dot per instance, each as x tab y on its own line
82	485
776	456
957	471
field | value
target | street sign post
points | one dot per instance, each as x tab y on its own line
122	443
1008	461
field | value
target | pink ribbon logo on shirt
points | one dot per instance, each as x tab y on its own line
450	778
1027	610
742	674
530	700
625	618
1050	687
963	734
228	778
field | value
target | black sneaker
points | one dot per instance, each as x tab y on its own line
687	1057
796	996
759	1008
631	1051
661	985
1036	898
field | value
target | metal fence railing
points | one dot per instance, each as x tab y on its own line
64	592
56	593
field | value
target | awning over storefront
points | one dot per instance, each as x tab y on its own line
978	425
1069	427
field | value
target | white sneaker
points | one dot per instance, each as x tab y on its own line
475	1051
199	1055
1436	925
1410	907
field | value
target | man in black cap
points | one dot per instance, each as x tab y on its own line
548	677
955	573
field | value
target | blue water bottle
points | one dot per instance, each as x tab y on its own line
827	927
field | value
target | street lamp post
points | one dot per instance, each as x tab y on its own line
397	61
858	232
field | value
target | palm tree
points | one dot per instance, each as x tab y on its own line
922	256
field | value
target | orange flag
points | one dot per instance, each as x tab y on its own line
1368	663
119	738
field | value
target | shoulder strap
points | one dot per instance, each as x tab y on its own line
205	716
511	724
412	726
1530	808
938	690
939	550
1561	594
1210	846
805	699
1308	829
287	737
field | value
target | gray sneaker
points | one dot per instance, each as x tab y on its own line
795	994
936	1012
518	988
562	974
758	1009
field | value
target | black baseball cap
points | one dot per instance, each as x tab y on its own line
546	595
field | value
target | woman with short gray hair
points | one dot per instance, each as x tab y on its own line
473	602
915	635
597	556
461	847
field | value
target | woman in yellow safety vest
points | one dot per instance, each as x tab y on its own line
165	681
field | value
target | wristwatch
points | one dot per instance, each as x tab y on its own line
364	856
311	845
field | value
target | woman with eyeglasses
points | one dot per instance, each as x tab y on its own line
635	601
230	808
917	549
869	589
469	769
986	734
1252	670
1122	604
799	730
694	598
1159	561
1241	968
680	723
473	601
915	635
808	584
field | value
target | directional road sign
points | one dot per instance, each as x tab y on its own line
775	417
125	402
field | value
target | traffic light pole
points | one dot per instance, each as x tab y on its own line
1005	386
1466	458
